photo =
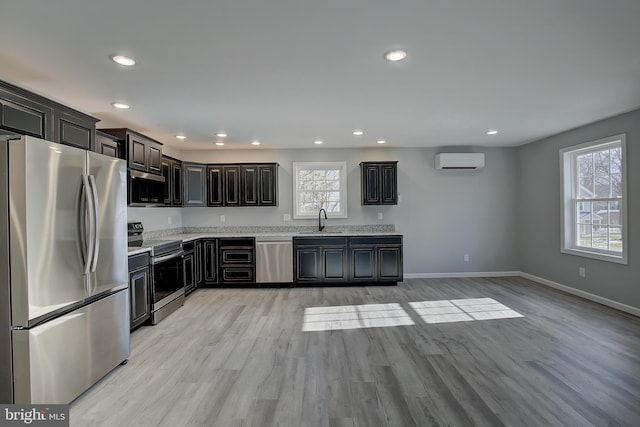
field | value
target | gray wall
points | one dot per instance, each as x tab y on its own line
539	214
443	214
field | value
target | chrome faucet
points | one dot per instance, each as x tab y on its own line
320	225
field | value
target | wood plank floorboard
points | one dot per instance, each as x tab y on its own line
239	357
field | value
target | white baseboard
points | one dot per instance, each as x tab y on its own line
587	295
464	274
568	289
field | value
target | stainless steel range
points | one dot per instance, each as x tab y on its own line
167	272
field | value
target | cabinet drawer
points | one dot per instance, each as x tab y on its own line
320	241
138	261
236	256
375	240
237	274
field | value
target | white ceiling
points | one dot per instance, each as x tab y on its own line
288	72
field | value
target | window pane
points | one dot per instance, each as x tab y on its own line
600	214
616	185
586	188
601	162
584	235
603	186
615	217
616	160
615	239
600	237
585	164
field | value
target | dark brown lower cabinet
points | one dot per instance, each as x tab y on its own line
139	281
198	261
320	260
237	256
375	259
345	260
210	262
189	267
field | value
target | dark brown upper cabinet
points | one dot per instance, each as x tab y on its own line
379	183
108	145
259	184
195	184
143	153
27	113
248	184
172	173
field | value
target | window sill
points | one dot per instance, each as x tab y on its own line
622	259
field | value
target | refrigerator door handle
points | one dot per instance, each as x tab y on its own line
88	234
96	223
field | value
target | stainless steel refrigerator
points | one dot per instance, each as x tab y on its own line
64	311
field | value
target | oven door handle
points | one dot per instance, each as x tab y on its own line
157	260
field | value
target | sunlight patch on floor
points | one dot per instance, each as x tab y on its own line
354	317
462	310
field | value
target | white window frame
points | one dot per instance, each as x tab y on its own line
568	200
341	166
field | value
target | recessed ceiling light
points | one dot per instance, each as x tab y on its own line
123	60
120	105
220	144
492	132
395	55
358	132
221	134
381	141
318	142
181	137
255	142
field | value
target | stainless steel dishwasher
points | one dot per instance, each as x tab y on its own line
274	259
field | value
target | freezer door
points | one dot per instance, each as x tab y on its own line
45	194
56	361
108	178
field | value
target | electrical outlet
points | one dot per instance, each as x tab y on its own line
168	220
286	217
223	218
582	271
466	257
380	215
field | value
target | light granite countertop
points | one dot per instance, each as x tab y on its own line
189	234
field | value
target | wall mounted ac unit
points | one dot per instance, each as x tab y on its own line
459	161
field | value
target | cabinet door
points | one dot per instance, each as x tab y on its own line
139	294
210	248
370	184
137	153
167	187
107	146
198	263
74	131
24	116
334	264
176	183
231	185
194	184
215	195
307	264
267	185
154	157
389	263
189	272
389	190
249	185
363	264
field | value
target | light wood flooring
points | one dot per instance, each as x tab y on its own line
238	357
